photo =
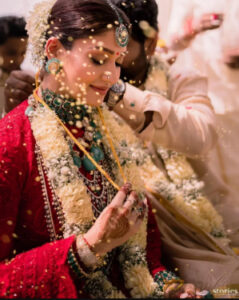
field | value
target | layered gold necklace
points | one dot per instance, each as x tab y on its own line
82	148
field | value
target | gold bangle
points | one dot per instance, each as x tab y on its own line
173	281
74	264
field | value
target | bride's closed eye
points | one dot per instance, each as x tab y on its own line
118	64
97	61
119	61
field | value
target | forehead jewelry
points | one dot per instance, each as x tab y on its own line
121	32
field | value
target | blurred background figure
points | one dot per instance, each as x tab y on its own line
215	53
13	45
230	38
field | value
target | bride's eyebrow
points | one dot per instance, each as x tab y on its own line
104	49
100	48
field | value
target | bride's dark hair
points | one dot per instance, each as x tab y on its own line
73	19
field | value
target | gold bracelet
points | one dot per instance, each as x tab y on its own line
74	264
172	281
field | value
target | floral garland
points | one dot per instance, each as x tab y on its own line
76	203
37	25
184	190
157	79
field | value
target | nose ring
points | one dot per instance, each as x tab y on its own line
107	75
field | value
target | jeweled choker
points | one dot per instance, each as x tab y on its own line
67	109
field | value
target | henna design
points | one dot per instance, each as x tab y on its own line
118	225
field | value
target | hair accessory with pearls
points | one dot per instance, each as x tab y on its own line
37	25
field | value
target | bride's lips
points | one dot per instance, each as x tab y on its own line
100	90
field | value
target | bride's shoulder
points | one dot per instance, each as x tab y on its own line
15	126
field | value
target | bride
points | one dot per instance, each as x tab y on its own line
75	222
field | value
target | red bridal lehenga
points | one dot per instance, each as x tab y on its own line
33	252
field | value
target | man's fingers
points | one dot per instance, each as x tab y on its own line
23	76
16	96
13	84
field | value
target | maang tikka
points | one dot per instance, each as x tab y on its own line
121	31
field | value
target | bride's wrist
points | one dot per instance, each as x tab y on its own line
87	253
97	245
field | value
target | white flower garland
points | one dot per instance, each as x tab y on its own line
37	25
185	192
76	203
55	152
185	189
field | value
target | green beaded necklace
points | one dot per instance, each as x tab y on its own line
80	116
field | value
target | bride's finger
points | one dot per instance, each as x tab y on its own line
121	195
131	201
137	214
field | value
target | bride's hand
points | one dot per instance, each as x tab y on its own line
118	222
181	291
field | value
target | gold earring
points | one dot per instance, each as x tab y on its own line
53	66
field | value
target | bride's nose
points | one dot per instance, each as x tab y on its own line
107	76
110	77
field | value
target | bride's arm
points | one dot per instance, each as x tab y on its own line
39	273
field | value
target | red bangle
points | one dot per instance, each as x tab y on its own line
87	243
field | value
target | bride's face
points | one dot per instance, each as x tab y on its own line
91	67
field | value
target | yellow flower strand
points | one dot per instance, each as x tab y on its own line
77	142
111	144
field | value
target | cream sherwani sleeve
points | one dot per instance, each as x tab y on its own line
183	122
